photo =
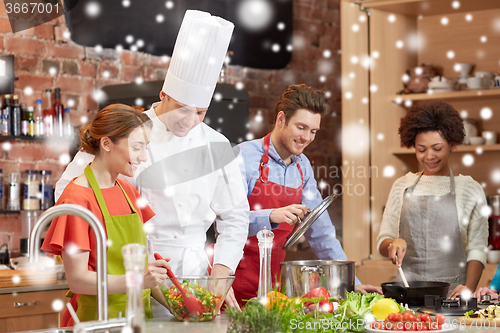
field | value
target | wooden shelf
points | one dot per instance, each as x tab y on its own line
427	7
452	95
460	149
33	138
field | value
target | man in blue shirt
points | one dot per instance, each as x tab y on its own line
281	186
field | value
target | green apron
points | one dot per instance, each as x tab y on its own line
121	230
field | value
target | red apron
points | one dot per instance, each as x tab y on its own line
265	195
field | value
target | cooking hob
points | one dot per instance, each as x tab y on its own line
436	304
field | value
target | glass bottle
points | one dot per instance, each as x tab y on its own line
265	238
16	117
31	122
7	111
14	191
5	123
46	191
48	113
31	185
59	113
24	120
38	117
134	259
68	129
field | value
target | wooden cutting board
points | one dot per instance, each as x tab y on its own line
15	278
479	322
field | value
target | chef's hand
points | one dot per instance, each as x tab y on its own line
156	272
458	291
220	270
368	288
396	247
485	291
288	214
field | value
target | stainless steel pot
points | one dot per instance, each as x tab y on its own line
300	276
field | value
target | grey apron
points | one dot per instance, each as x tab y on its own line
430	227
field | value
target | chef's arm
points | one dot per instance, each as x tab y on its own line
260	219
474	272
220	270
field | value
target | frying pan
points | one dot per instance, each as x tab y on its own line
415	294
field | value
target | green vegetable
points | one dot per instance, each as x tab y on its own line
469	313
359	304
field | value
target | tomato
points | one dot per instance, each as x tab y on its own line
317	292
440	318
434	326
390	317
425	318
423	327
398	316
408	316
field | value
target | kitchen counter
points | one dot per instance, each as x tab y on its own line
171	325
58	286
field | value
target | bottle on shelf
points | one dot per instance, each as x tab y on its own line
31	185
38	115
5	123
7	111
16	117
31	122
48	113
46	190
13	191
59	113
24	120
68	129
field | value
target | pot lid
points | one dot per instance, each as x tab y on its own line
301	228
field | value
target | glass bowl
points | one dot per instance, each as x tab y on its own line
211	291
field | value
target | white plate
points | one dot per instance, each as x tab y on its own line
446	328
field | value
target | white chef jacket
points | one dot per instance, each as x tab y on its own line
185	211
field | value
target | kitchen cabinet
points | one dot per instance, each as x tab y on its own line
31	310
381	39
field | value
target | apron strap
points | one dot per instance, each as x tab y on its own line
97	191
452	183
264	168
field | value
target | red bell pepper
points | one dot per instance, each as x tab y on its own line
319	292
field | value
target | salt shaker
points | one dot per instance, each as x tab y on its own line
134	259
265	238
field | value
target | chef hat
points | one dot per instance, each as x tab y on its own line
199	52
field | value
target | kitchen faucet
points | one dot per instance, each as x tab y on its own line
95	224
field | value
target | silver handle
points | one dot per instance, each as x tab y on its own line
312	269
18	305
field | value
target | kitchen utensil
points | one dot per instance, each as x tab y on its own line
493	256
476	140
302	227
464	69
300	276
474	82
212	290
486	79
490	137
403	277
72	313
420	76
415	295
192	303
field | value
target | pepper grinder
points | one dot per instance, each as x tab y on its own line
265	238
134	259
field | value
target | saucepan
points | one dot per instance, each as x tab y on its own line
301	276
414	295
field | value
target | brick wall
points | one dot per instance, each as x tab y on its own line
46	58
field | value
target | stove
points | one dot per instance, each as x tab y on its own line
435	304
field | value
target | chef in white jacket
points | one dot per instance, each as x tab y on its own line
191	178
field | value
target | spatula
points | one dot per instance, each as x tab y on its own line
193	305
403	277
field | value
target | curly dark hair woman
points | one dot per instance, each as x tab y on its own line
436	116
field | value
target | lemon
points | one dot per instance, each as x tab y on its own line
383	307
